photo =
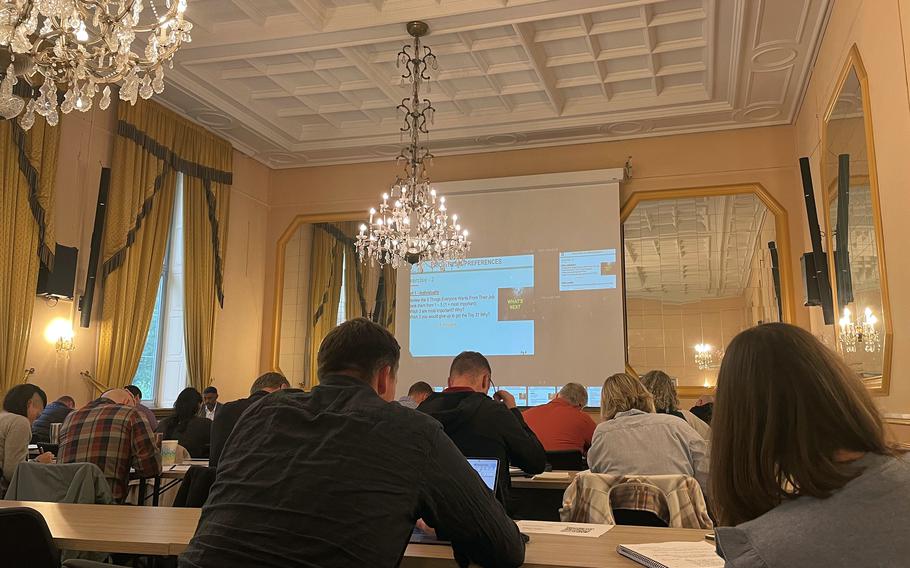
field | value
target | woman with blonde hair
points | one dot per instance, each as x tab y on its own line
633	439
799	460
666	401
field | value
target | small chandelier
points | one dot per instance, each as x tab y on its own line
703	357
412	224
861	331
80	45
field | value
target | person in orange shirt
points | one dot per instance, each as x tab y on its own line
562	423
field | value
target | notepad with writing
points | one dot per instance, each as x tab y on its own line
673	554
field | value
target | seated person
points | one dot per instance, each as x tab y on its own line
186	426
824	488
146	412
110	433
338	476
562	423
212	406
21	406
666	401
418	393
704	409
230	413
633	439
53	413
482	427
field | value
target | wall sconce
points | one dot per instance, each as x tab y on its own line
863	330
60	333
703	356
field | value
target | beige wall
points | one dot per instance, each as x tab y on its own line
756	155
85	146
875	27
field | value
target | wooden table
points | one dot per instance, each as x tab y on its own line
531	483
157	531
164	531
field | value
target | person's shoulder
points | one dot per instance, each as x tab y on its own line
14	423
736	545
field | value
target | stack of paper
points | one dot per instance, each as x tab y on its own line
673	554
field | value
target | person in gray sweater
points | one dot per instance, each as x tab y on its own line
21	406
801	472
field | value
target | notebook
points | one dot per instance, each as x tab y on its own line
673	554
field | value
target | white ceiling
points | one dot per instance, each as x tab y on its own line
684	250
312	82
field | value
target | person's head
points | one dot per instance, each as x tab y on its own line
269	382
471	369
210	396
120	396
622	392
186	407
135	391
661	387
574	394
364	350
786	406
25	400
67	401
419	391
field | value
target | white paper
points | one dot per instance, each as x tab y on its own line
552	475
698	554
564	529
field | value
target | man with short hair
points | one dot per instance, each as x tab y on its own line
418	393
562	423
210	403
144	410
482	427
110	433
53	413
230	413
337	477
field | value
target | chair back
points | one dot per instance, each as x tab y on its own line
194	490
567	460
639	504
59	483
26	540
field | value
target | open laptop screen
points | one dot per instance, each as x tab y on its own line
487	468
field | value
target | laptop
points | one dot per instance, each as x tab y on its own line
488	470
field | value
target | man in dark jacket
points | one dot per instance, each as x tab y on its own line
53	413
482	427
227	417
338	476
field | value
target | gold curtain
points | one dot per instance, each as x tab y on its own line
325	291
152	145
28	169
205	209
369	289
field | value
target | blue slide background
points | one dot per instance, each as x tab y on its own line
581	270
457	309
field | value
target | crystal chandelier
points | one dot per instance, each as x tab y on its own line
703	356
861	331
412	224
81	45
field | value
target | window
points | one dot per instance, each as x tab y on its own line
162	370
341	302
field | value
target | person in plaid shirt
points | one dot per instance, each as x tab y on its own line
110	433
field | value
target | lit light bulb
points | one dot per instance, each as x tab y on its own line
81	32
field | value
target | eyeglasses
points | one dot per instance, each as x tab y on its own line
492	385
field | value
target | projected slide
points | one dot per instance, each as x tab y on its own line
587	270
594	396
541	395
483	304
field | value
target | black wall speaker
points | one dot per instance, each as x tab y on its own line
59	283
88	296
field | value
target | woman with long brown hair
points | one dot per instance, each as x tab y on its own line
800	470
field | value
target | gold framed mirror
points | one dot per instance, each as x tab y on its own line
699	268
853	229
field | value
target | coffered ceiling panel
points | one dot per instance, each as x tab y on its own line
312	82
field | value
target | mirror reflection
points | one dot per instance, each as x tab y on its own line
698	270
853	230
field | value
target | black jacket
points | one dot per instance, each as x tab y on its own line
337	477
483	428
223	424
53	412
194	437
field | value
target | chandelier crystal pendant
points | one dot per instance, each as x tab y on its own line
862	331
412	225
81	46
703	356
